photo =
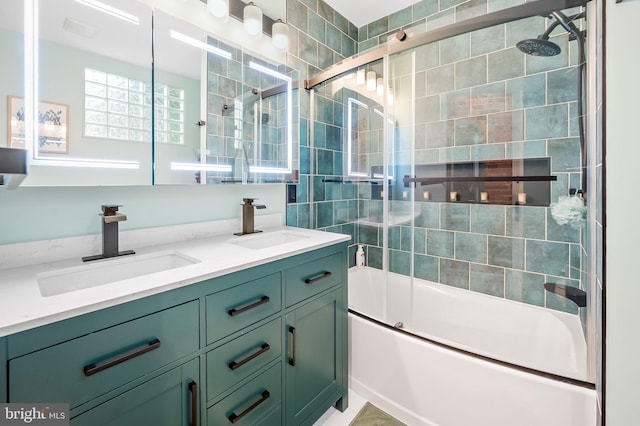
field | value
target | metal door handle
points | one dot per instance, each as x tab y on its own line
233	365
193	388
93	368
325	274
234	418
292	358
237	311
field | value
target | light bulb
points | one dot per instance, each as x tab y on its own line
280	35
371	81
253	20
360	77
218	8
380	87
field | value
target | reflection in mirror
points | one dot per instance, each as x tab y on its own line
93	85
256	112
243	130
180	58
365	138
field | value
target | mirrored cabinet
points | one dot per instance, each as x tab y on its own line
119	101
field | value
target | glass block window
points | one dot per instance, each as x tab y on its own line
117	107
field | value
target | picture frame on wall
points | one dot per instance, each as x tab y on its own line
53	126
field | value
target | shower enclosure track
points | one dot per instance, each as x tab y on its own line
536	8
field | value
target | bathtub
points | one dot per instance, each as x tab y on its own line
424	383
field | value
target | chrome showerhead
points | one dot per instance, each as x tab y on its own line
538	47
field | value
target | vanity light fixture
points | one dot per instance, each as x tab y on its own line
380	87
280	35
218	8
110	10
371	81
252	20
199	44
360	77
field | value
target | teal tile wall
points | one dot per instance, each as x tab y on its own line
476	97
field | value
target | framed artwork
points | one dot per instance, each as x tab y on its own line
53	126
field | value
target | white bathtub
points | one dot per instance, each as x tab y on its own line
424	384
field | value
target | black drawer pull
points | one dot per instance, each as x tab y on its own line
193	388
234	418
292	358
233	365
233	312
93	368
325	274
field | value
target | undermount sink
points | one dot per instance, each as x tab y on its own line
108	271
267	240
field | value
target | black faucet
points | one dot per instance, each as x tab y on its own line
248	217
110	219
576	295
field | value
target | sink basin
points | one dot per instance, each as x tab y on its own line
262	241
108	271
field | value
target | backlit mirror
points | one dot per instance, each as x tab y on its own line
93	87
12	75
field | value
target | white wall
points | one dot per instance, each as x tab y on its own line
622	213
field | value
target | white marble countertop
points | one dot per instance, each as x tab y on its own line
23	307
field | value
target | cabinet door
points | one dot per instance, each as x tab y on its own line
314	362
171	399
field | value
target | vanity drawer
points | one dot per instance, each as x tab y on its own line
259	402
81	369
239	358
233	309
311	278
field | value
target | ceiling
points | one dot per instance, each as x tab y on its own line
363	12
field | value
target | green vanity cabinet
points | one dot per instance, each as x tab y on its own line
3	370
264	345
171	399
314	378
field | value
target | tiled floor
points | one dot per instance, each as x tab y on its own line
334	417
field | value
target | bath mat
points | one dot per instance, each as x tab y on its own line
370	415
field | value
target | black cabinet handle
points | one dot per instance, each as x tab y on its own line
292	358
94	368
233	365
234	418
193	388
237	311
325	274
